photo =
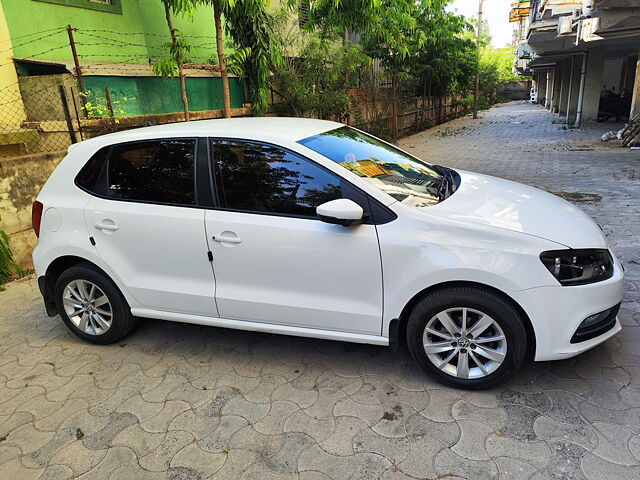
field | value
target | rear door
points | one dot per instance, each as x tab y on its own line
148	227
274	260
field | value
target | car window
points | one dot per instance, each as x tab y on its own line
89	174
154	171
405	178
264	178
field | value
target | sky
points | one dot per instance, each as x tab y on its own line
497	13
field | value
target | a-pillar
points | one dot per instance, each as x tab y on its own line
592	86
574	88
635	99
564	74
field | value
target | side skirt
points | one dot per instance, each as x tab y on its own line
261	327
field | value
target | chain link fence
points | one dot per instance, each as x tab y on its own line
37	117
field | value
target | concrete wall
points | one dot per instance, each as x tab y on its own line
21	179
155	95
517	90
8	81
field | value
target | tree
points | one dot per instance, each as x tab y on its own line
393	37
218	7
447	61
179	50
317	72
495	71
257	53
249	25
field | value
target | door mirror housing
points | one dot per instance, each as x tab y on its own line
342	211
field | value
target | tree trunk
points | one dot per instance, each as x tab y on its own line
183	90
183	87
394	108
226	98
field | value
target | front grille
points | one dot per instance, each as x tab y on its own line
604	322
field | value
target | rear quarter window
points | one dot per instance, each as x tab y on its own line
89	176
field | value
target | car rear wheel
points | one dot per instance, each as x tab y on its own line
91	305
467	337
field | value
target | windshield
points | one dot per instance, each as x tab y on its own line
402	176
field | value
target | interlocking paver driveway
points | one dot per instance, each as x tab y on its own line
187	402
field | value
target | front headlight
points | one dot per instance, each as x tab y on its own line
578	267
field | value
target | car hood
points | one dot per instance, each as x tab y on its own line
492	201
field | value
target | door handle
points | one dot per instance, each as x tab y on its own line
226	239
106	226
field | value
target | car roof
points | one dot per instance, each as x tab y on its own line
257	128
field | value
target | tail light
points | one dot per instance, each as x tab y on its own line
36	216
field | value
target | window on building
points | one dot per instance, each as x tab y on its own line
159	171
110	6
263	178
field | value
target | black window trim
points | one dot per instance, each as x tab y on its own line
102	177
368	212
207	198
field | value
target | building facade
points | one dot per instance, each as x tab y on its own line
583	55
116	42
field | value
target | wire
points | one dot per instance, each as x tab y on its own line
34	33
142	33
30	41
36	54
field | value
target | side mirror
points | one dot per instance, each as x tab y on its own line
342	211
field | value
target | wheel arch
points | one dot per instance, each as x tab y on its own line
401	328
47	282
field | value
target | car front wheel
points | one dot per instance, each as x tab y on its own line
91	305
468	337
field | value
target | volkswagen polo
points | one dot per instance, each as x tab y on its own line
313	228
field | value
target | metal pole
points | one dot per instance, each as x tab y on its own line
78	70
109	105
75	108
67	115
476	92
583	74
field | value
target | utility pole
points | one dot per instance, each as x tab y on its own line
476	91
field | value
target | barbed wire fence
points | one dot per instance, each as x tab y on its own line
35	117
39	114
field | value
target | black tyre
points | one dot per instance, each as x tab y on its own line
467	337
91	305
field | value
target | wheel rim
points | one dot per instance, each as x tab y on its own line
464	343
87	307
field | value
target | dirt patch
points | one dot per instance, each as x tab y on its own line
394	414
577	197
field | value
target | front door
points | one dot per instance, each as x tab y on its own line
274	261
148	229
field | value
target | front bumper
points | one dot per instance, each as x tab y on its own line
556	312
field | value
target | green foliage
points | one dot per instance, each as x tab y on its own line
8	267
318	71
96	106
252	29
336	16
179	51
495	71
447	62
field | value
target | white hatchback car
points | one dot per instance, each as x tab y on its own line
312	228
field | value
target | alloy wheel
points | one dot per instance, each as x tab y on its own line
464	343
87	307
